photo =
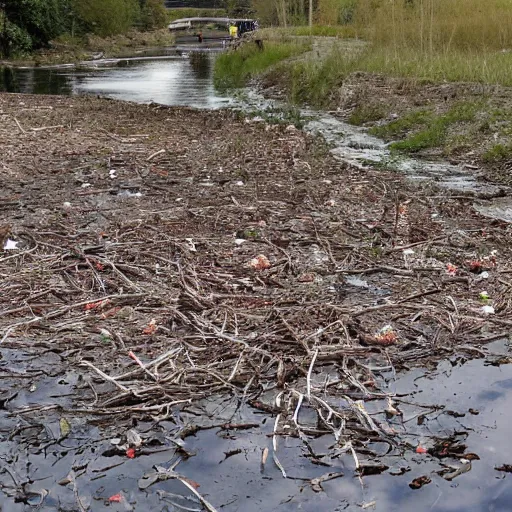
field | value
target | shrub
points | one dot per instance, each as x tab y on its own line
235	68
13	39
108	17
30	23
153	14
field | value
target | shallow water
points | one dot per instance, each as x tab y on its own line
226	463
179	79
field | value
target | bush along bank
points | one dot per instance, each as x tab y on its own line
33	24
235	68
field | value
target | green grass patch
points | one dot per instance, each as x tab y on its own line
400	127
368	113
235	68
498	153
340	31
279	115
315	82
436	131
431	137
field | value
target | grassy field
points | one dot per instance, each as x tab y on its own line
437	40
235	68
340	31
313	81
416	48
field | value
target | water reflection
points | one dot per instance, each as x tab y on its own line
201	65
175	80
34	81
8	80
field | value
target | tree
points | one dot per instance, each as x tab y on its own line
153	14
108	17
28	24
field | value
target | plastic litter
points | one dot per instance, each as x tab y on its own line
451	269
10	245
151	327
65	428
96	305
484	297
391	410
386	336
419	482
133	438
261	262
191	244
475	266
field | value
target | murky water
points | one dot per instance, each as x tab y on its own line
36	459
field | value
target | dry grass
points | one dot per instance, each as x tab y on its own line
432	26
438	40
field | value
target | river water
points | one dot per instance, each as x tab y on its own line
183	79
476	397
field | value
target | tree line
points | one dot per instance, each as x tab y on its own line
26	25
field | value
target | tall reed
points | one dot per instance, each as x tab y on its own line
437	25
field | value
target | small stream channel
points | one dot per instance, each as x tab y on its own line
479	394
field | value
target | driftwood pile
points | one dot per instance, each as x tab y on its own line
175	255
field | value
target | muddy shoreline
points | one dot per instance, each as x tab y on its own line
180	272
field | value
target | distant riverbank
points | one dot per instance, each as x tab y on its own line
73	50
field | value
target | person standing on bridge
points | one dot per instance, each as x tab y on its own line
233	31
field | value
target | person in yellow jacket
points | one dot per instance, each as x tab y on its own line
233	31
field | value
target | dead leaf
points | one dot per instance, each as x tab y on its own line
65	428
